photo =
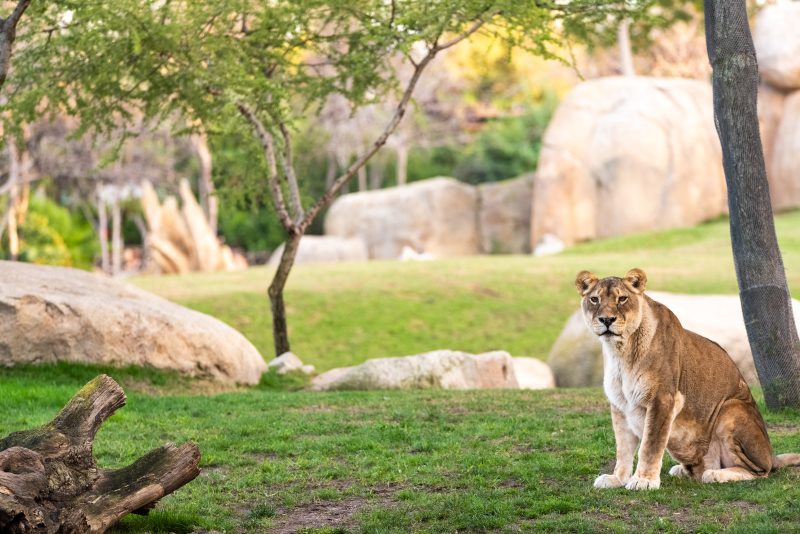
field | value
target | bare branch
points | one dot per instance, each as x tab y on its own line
288	171
268	144
399	112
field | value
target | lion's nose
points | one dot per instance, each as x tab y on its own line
607	321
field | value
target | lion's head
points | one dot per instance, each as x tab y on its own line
612	307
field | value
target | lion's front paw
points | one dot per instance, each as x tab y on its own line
608	481
637	483
678	471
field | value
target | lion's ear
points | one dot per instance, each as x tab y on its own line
585	281
637	280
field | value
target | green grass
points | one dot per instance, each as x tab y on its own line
277	459
343	314
426	461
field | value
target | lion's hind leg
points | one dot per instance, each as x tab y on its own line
744	449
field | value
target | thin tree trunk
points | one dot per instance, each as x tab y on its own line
330	174
102	232
116	236
362	178
402	164
376	172
208	198
13	236
279	329
625	51
766	303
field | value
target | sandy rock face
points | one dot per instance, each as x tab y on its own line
625	155
325	249
504	215
576	357
50	314
784	180
533	374
436	216
442	369
777	44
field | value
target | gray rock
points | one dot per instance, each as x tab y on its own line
442	369
504	215
50	314
287	363
628	154
325	249
436	217
777	44
533	374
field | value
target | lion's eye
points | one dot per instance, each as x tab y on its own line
594	300
623	300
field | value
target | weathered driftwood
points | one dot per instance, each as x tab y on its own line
50	482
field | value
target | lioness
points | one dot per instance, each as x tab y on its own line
671	388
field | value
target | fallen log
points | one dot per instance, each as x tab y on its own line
50	482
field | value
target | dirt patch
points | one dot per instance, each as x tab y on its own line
783	429
184	386
334	513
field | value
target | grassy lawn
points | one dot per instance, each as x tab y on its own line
280	460
431	461
342	314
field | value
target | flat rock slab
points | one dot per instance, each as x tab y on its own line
441	369
50	314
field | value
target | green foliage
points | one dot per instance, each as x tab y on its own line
52	235
202	60
506	148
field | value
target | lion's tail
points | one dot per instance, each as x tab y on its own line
786	460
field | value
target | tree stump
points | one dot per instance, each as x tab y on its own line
50	482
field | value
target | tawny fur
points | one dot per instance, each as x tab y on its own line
671	389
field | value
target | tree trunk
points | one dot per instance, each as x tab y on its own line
50	482
330	174
116	236
376	172
625	51
279	330
362	178
102	232
402	164
208	198
13	235
766	303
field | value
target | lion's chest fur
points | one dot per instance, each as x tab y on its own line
626	391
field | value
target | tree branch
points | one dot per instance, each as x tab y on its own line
268	144
8	32
288	171
400	110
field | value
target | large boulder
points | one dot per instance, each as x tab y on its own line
50	314
576	357
436	216
770	113
533	374
784	180
325	249
504	215
777	44
441	369
628	154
